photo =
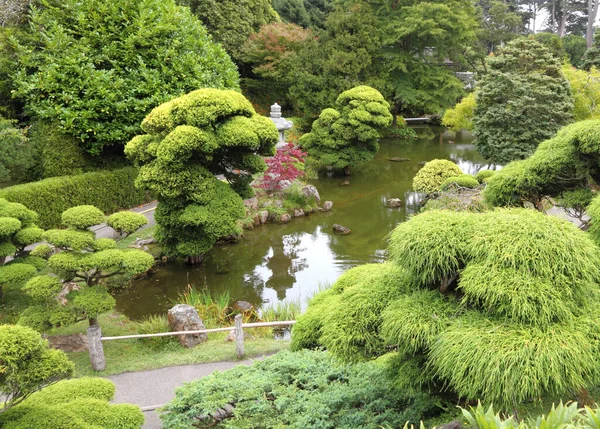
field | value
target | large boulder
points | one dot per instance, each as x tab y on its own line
184	317
310	190
69	343
393	203
251	204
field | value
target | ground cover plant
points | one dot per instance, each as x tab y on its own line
492	306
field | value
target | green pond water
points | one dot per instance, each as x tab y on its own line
288	262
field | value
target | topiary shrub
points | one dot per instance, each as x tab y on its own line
73	404
429	178
493	306
82	217
125	223
462	181
190	140
110	191
303	389
27	364
348	134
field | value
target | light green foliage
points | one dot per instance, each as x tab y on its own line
104	244
348	135
97	81
591	57
231	22
43	251
522	100
16	274
560	164
585	87
297	390
126	223
500	306
16	152
461	116
27	364
36	261
593	210
27	236
190	140
74	404
462	181
43	288
82	217
483	175
429	179
112	191
92	301
69	238
9	226
457	200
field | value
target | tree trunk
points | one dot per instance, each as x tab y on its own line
93	321
592	14
562	24
194	260
347	170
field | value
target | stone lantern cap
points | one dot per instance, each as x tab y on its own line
282	124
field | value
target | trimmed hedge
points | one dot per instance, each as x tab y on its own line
110	191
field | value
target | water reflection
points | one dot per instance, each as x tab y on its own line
280	262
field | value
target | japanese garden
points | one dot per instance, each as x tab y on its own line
299	213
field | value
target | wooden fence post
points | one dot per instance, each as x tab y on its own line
94	335
239	336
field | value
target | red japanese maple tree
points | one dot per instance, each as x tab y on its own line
282	166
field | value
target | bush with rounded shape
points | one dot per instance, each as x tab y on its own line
9	226
27	364
79	404
36	261
43	251
493	306
27	236
462	181
98	81
461	116
483	175
69	238
14	274
348	134
190	140
92	301
104	244
429	178
82	217
126	223
43	288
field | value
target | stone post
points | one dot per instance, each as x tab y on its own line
239	336
94	335
281	123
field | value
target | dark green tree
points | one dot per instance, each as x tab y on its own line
306	13
591	57
231	22
575	48
189	141
96	68
17	156
522	100
347	135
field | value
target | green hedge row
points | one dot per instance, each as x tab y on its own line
110	191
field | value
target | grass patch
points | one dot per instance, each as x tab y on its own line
142	234
139	355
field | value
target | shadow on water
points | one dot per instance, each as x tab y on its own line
278	262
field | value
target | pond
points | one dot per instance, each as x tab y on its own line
290	261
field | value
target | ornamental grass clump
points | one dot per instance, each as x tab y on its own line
190	140
500	306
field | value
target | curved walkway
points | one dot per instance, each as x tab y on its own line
154	388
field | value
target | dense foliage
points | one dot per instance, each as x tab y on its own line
95	69
79	257
522	100
306	13
348	134
430	178
460	117
27	365
284	166
189	141
565	162
16	153
494	306
585	88
110	191
297	390
231	22
81	403
591	57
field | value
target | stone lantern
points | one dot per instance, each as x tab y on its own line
282	124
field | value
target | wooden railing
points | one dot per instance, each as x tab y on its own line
96	349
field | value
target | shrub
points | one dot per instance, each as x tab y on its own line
125	223
17	155
305	389
462	181
492	305
461	116
190	140
110	191
483	175
82	217
283	166
433	174
73	404
98	81
348	134
27	364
